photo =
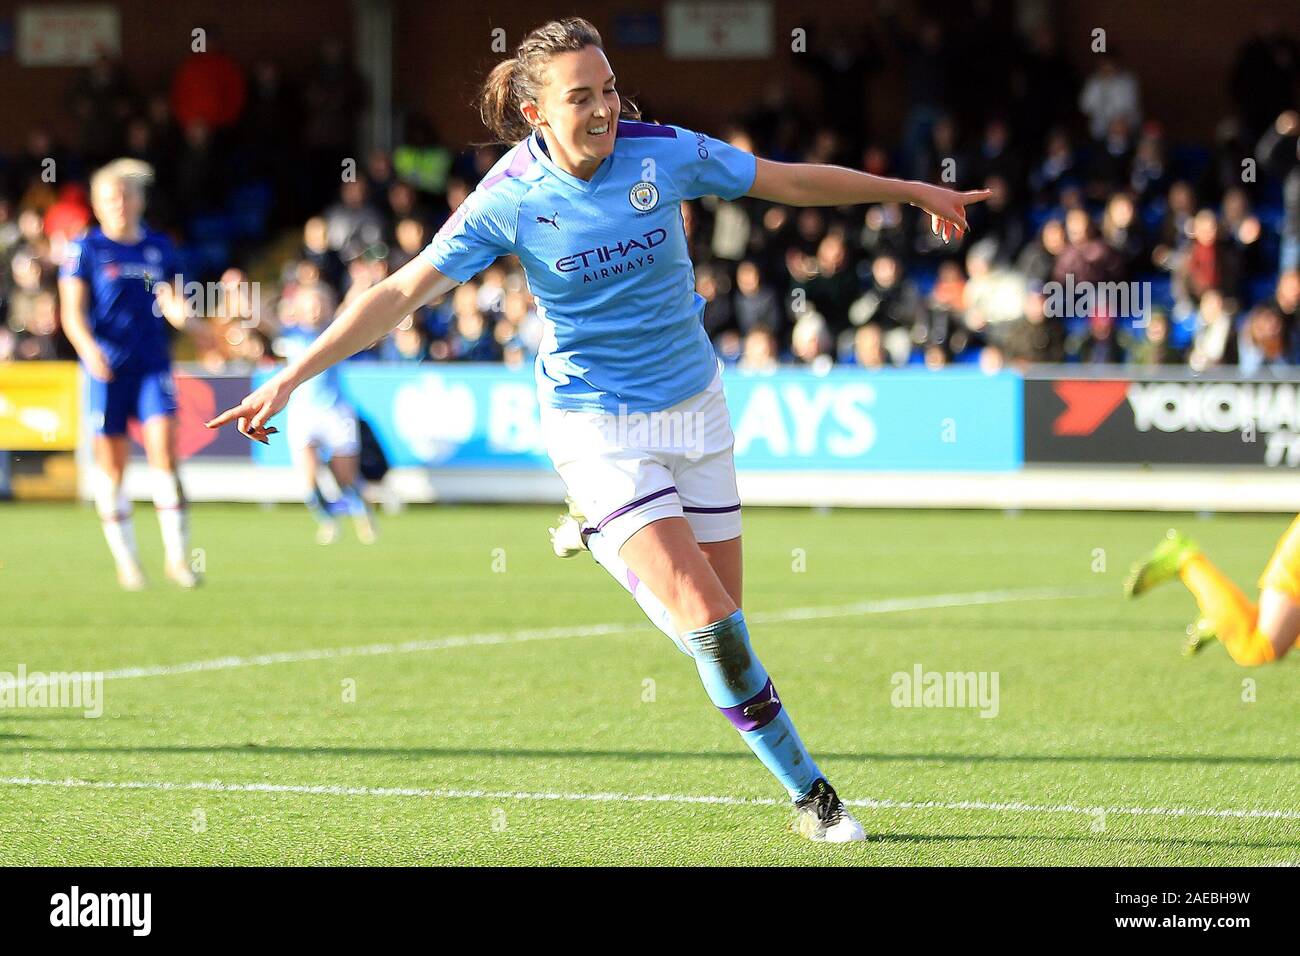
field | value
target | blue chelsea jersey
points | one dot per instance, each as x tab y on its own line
606	260
120	303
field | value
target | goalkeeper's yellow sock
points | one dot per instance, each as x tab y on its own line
1233	615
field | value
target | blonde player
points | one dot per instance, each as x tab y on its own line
115	284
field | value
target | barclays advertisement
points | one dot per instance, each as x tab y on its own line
486	416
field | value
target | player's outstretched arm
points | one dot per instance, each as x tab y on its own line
811	184
366	319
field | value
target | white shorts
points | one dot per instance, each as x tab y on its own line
333	430
625	471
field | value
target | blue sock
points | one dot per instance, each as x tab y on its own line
738	685
318	505
350	500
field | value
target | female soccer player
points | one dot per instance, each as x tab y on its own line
1251	633
591	205
322	425
115	288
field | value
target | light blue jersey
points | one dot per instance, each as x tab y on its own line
320	391
606	260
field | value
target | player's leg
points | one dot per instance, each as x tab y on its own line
1279	620
1226	613
347	473
605	483
170	504
704	469
339	432
1279	594
655	610
705	473
110	405
307	461
727	560
667	557
114	508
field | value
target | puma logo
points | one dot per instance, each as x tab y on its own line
554	216
752	710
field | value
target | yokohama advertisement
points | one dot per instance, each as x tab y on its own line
1162	421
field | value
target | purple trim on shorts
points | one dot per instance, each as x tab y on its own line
518	166
671	489
632	580
712	511
758	711
633	128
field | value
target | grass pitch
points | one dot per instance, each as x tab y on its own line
455	694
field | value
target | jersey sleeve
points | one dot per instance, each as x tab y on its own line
480	231
76	262
709	167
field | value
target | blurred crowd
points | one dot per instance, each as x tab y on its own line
258	179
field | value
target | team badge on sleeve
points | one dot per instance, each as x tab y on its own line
644	196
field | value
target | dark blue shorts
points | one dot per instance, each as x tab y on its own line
131	394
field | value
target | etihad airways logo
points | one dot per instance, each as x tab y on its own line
618	258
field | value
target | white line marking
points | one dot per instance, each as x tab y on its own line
215	786
886	606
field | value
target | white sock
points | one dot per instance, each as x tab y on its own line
173	515
607	557
115	517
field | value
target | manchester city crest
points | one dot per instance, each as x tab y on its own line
643	196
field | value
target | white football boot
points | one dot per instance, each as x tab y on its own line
179	573
822	816
367	530
567	538
131	577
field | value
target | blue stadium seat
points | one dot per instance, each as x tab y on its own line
1190	160
1182	331
1259	288
250	207
1161	285
1153	213
924	276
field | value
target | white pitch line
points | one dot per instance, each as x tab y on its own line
885	606
215	786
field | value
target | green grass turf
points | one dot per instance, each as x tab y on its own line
1096	706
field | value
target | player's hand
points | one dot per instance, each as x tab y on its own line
947	208
252	413
97	365
1288	123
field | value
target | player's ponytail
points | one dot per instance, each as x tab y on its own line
498	106
519	79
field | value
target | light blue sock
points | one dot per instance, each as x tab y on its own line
318	504
739	686
350	500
